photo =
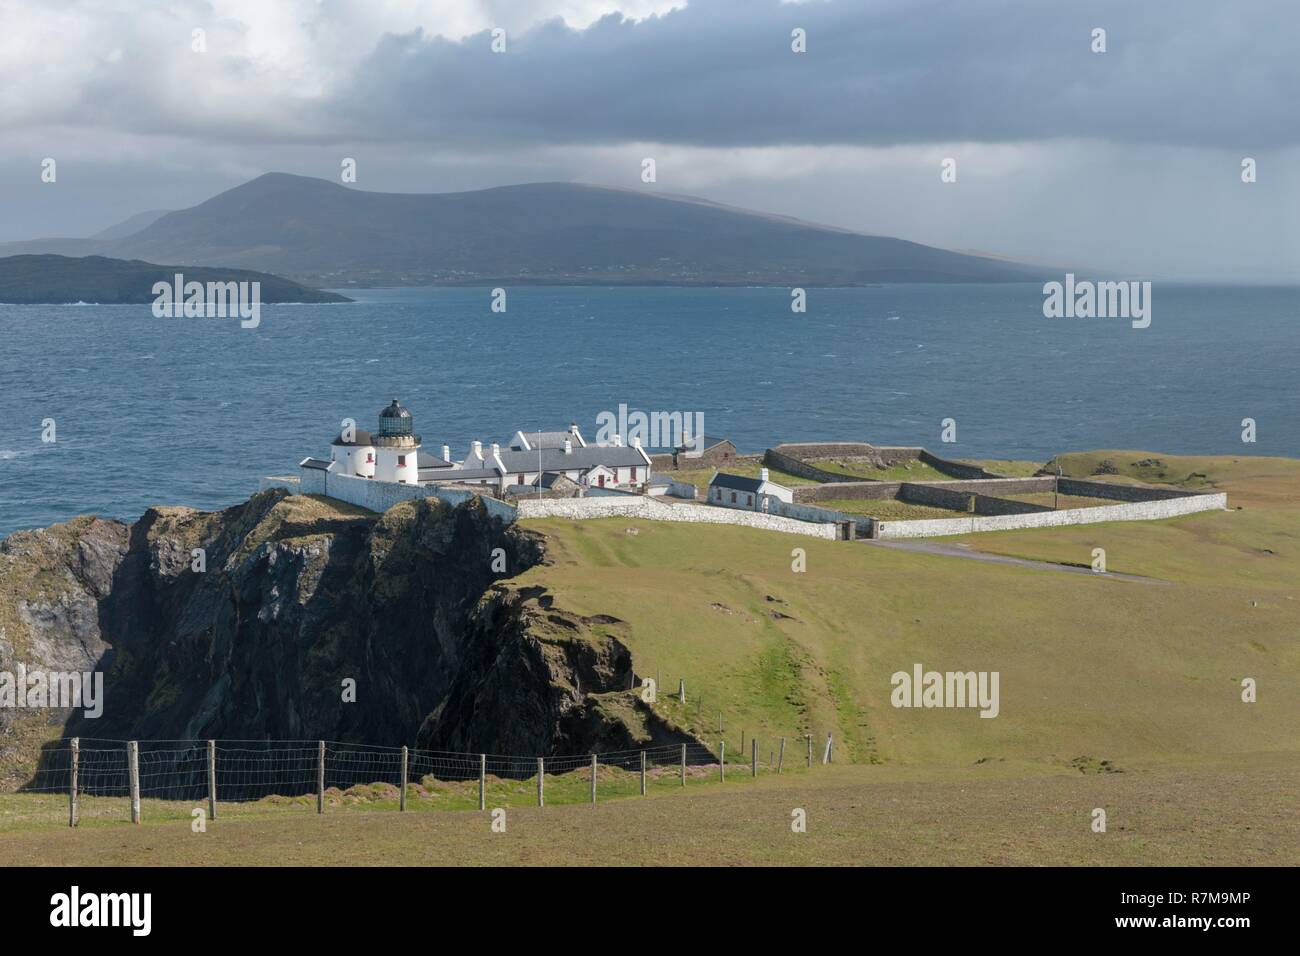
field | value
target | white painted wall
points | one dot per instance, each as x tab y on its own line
388	469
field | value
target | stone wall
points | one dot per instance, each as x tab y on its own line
775	459
1133	511
1105	489
995	486
874	490
382	495
827	449
643	507
935	496
988	505
954	468
897	454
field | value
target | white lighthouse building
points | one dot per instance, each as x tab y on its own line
397	447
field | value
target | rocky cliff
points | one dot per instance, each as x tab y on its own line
256	622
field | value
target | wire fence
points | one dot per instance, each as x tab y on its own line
114	776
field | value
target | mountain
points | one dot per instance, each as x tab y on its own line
51	279
324	233
129	227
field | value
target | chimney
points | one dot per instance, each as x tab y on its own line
477	448
636	442
618	441
568	447
496	450
496	457
446	453
762	474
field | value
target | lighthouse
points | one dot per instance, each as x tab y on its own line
397	447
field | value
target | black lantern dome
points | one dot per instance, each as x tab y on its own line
395	421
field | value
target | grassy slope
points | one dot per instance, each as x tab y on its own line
1130	672
1231	812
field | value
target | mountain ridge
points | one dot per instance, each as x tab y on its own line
327	234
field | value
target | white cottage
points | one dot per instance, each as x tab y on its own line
751	494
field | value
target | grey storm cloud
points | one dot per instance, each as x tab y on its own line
721	73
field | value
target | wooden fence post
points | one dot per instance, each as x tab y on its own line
683	765
722	761
212	779
593	779
541	777
643	773
320	777
681	690
753	757
401	804
780	756
482	781
809	739
826	757
133	770
72	781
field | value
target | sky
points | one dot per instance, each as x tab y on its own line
1127	160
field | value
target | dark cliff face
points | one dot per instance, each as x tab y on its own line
300	596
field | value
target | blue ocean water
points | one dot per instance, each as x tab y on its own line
195	411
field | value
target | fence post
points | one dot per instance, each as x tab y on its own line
681	689
541	776
320	777
133	769
482	781
643	773
401	805
742	741
809	739
212	779
722	761
826	757
593	779
780	756
72	782
683	765
753	757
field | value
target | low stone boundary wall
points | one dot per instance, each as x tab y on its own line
775	459
827	449
847	489
1105	489
897	454
643	507
382	495
1132	511
954	468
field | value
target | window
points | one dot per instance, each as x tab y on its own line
733	497
634	472
401	461
749	500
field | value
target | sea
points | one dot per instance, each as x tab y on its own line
194	411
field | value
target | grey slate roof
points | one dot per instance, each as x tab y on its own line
546	440
736	482
320	464
361	435
433	461
580	459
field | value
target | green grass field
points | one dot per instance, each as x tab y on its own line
1114	693
1229	812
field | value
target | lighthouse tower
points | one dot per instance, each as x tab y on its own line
397	447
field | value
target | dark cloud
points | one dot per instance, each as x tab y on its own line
721	73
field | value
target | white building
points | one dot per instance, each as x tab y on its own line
752	494
394	454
